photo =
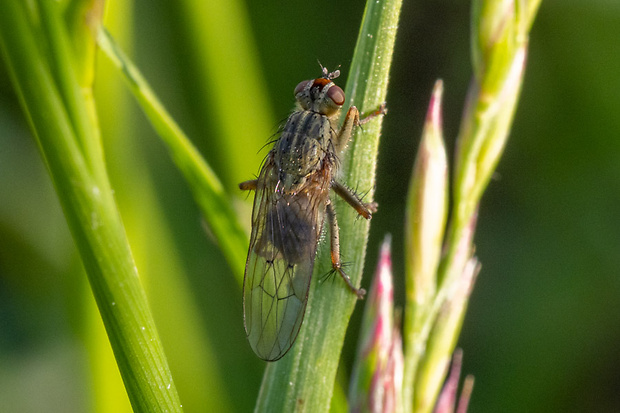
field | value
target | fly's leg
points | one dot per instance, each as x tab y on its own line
364	209
379	112
249	185
351	120
335	251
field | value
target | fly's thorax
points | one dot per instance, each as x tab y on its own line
303	147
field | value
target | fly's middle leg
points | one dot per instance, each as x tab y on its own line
364	209
335	251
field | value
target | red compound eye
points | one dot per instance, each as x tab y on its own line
336	95
301	86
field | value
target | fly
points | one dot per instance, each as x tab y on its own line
290	206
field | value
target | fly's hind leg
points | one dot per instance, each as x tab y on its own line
335	251
248	185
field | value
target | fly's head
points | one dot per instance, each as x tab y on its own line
320	95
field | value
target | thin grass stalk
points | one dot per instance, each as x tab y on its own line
207	189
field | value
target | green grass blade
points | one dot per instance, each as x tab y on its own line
88	203
231	96
160	257
74	96
206	187
305	376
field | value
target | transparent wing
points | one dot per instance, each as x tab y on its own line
285	232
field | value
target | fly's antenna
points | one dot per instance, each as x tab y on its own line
323	69
334	74
327	74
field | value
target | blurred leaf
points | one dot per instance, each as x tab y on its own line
229	90
377	372
427	208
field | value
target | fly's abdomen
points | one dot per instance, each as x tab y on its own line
297	232
285	232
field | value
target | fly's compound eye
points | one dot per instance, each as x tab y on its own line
303	94
336	95
301	86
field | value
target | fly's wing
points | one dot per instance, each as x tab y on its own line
285	232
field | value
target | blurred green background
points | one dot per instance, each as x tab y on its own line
543	326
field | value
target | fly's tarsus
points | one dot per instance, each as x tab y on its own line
359	292
372	206
382	111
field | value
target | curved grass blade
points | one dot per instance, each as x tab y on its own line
206	187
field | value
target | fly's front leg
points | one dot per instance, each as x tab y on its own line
351	120
379	112
249	185
335	251
364	209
